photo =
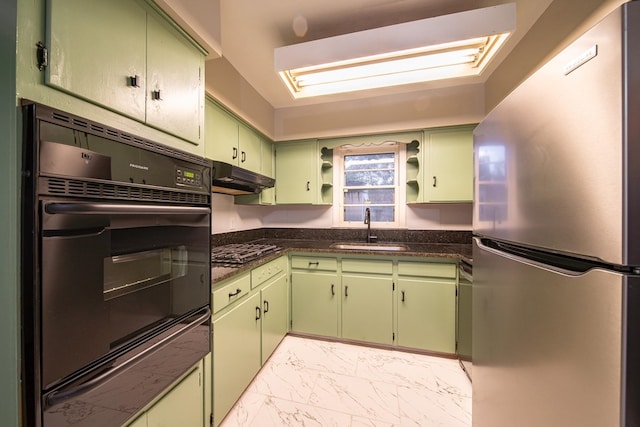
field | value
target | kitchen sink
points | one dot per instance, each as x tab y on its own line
356	246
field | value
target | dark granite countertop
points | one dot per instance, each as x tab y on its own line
454	251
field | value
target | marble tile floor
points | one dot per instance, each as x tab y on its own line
310	382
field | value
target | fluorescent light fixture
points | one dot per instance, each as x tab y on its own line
444	47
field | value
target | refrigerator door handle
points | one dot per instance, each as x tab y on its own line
559	269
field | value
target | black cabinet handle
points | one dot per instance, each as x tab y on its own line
434	181
134	81
346	291
244	157
258	313
233	294
402	296
308	185
155	95
266	307
316	263
333	289
235	153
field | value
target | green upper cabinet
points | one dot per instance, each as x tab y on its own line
230	141
250	149
449	161
297	172
440	168
80	36
125	56
266	196
221	134
175	74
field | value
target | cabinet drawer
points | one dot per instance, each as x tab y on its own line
263	273
231	292
427	269
367	266
314	263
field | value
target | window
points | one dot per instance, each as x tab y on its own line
368	177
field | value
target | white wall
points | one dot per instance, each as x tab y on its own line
230	217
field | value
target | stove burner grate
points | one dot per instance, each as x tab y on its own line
240	253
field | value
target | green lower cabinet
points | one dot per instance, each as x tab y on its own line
237	353
314	302
464	320
183	405
274	315
427	314
367	303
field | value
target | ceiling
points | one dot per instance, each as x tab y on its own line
249	30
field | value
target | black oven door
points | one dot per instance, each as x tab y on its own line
115	275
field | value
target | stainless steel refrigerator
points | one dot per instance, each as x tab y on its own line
556	291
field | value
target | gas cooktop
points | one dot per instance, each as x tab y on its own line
239	253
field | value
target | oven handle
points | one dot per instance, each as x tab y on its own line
60	396
123	209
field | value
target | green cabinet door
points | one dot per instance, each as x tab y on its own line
367	302
314	302
297	172
175	87
450	165
274	315
250	147
465	303
221	134
426	314
266	196
182	406
236	355
125	56
94	49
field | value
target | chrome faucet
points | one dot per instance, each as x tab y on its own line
367	220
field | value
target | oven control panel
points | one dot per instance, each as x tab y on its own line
187	176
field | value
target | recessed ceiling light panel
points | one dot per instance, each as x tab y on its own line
449	46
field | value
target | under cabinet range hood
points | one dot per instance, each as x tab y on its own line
231	179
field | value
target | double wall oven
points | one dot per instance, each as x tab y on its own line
115	271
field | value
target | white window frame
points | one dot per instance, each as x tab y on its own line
399	149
